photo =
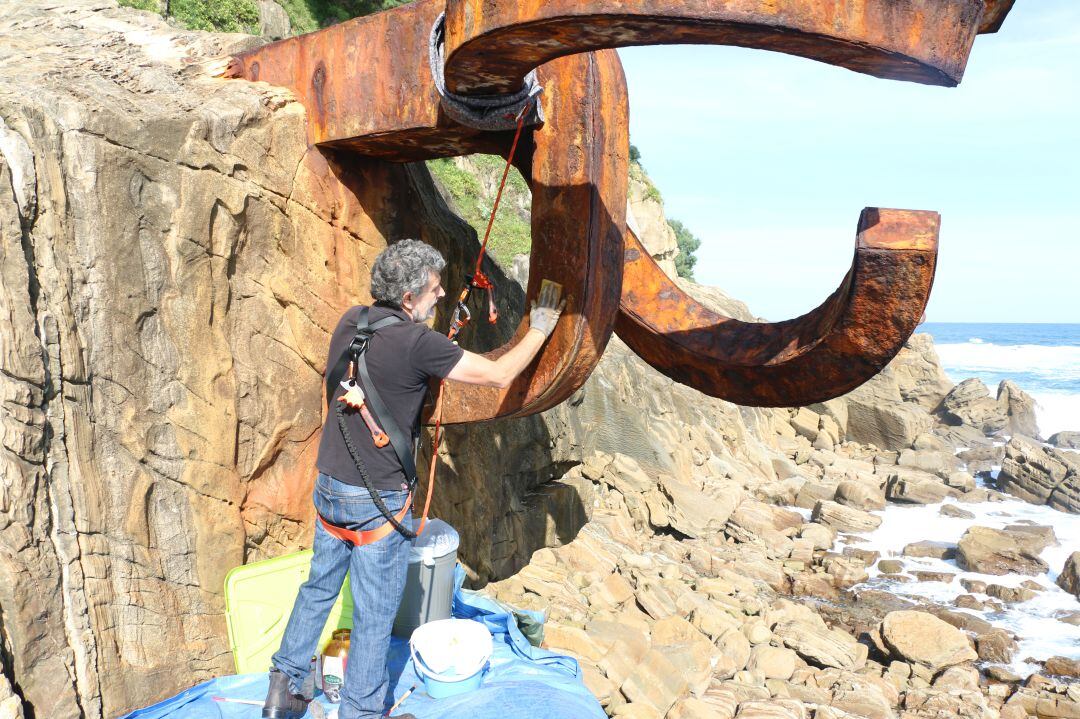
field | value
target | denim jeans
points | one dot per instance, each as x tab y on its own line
376	577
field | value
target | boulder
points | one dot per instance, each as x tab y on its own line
921	638
1063	667
996	646
1019	408
845	519
969	403
1069	579
951	510
1029	471
273	20
772	662
694	513
656	682
941	463
928	548
860	495
982	459
820	645
917	490
1065	440
883	420
996	551
772	709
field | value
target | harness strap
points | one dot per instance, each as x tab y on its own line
367	536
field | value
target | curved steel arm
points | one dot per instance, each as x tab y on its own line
829	351
492	45
578	180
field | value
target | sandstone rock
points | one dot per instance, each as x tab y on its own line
891	566
1069	579
941	463
813	492
931	576
10	705
928	548
273	20
1063	667
1010	595
859	495
695	513
656	682
772	709
994	551
982	459
1019	408
845	519
951	510
878	416
822	536
960	481
995	646
772	662
1029	471
692	708
916	490
821	646
1065	440
970	403
922	638
646	214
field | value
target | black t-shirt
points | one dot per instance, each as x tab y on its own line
401	359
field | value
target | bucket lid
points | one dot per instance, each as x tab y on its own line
450	649
437	540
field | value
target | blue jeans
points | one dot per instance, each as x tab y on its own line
376	577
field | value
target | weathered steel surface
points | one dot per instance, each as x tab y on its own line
994	17
824	353
368	90
491	45
578	181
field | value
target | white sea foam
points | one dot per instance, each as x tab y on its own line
1050	374
1041	634
1057	412
1050	363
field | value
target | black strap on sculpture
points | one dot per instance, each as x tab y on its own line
357	352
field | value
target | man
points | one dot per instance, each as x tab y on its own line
401	359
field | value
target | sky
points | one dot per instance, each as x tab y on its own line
769	159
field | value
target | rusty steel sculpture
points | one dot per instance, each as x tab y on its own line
369	89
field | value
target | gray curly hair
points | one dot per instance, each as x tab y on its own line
403	267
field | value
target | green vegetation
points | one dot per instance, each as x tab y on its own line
309	15
151	5
635	154
472	191
688	245
210	15
216	15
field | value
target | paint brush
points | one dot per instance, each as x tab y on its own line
400	701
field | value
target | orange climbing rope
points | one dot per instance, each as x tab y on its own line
462	315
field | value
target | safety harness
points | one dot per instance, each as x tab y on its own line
358	394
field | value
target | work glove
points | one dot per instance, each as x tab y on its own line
546	309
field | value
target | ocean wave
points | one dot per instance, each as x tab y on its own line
1057	364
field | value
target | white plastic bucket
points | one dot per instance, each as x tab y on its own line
450	655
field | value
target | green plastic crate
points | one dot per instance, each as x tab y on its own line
258	600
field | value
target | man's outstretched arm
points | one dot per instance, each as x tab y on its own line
477	369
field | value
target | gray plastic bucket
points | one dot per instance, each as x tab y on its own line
429	584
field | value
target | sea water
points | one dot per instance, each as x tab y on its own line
1043	359
1041	634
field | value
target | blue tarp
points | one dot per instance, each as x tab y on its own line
522	681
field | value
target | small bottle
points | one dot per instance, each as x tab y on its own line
334	659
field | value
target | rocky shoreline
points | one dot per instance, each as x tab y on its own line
702	596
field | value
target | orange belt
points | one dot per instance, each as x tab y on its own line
369	536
